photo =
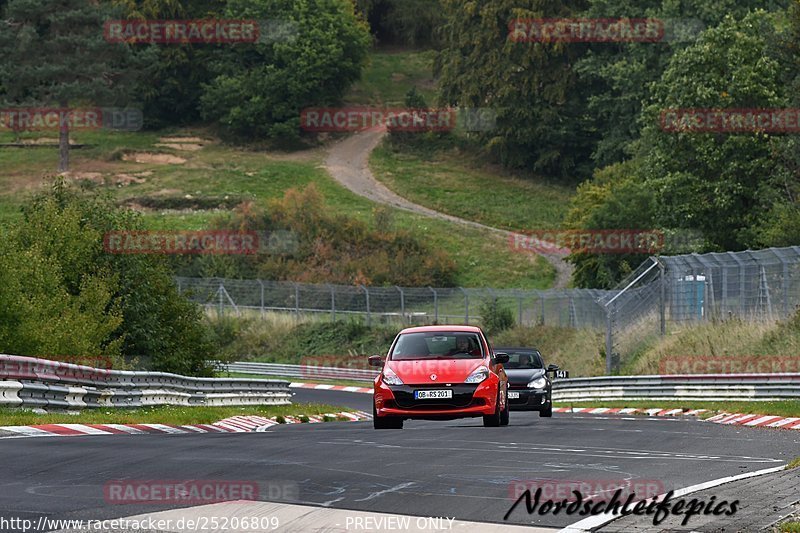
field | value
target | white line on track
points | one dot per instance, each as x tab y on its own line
593	522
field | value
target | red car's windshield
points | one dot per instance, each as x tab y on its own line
437	345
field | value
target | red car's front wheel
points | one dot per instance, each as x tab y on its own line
495	419
385	422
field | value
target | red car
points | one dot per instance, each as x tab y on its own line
440	373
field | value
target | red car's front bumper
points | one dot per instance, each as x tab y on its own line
468	400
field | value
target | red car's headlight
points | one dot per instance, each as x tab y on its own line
478	375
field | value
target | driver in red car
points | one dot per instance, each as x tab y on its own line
463	345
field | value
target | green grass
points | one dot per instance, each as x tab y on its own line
794	463
789	408
455	183
790	527
390	75
218	170
175	415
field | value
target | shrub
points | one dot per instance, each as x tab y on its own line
496	317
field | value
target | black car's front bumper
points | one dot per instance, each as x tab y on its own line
529	399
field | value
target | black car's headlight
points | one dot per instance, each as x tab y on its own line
538	383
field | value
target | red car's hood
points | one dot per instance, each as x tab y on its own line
419	371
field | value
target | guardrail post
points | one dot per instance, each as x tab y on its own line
519	307
369	315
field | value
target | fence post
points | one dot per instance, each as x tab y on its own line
262	296
609	340
723	307
296	300
785	283
519	307
466	305
369	315
333	301
541	298
435	305
402	304
571	311
662	301
219	291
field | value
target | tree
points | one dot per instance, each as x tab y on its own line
61	293
541	123
614	199
173	74
55	54
259	89
716	182
621	74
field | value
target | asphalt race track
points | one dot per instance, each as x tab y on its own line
456	468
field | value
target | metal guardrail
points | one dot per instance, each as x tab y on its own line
695	387
32	382
708	387
306	372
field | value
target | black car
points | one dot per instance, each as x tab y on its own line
529	385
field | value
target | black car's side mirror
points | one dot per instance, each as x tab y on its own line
375	360
501	358
552	368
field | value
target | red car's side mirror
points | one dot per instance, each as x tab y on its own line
501	358
375	360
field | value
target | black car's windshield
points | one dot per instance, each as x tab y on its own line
523	360
437	345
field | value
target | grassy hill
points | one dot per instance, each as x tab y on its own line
182	179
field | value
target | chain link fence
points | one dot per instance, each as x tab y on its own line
407	305
762	285
674	290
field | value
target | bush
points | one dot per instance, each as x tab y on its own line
325	248
60	293
496	317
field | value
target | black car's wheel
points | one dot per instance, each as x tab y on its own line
504	415
493	420
385	422
547	412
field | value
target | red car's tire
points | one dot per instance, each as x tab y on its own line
504	415
385	422
493	420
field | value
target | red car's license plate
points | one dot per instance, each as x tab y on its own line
432	394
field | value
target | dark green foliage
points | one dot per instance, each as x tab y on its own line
495	316
54	54
403	22
541	121
259	90
61	293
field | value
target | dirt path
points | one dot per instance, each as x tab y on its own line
348	162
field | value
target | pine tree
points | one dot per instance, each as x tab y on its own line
54	54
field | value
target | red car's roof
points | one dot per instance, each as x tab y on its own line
422	329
